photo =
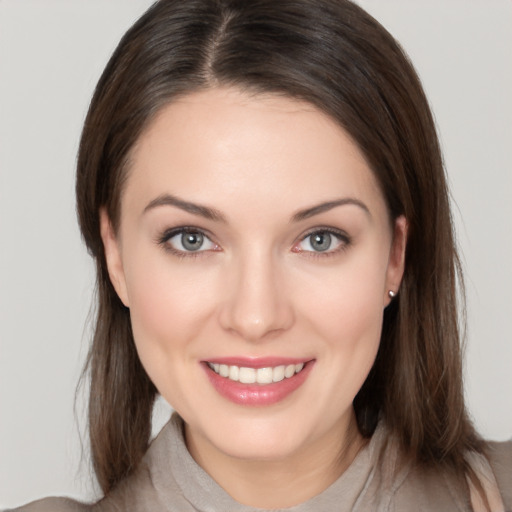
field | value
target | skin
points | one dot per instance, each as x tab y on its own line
258	288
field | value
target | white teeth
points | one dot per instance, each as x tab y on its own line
289	371
247	375
260	376
264	375
234	372
278	374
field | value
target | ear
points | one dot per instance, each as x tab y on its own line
113	257
396	263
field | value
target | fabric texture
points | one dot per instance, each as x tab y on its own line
169	480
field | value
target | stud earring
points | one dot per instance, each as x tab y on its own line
391	294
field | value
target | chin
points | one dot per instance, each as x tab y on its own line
261	443
269	436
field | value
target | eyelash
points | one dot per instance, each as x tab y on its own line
171	233
343	238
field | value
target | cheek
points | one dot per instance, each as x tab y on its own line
348	316
168	305
349	299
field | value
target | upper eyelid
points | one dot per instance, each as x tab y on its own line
164	240
171	232
345	240
167	234
334	231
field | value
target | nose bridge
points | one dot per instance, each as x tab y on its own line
257	303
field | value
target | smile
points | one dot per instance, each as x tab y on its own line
262	376
261	382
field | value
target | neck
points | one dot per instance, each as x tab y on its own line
281	483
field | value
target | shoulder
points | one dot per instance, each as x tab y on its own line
429	490
500	458
425	490
53	505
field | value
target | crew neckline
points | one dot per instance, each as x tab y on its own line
205	494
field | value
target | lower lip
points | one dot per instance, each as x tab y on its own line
257	394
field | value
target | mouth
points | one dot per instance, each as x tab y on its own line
257	382
262	376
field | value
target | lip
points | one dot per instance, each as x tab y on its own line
257	394
258	362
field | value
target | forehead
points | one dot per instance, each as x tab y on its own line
222	143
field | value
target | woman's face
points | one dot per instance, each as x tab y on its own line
255	253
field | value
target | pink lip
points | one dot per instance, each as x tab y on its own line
257	394
258	362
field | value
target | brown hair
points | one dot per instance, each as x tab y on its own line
334	55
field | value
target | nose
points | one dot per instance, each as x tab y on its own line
257	305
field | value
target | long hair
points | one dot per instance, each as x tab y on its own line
334	55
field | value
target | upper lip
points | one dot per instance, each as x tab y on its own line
257	362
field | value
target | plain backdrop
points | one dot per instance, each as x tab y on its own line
51	55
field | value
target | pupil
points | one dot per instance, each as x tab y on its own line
321	241
192	241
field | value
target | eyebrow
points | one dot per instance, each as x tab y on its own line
328	205
215	215
196	209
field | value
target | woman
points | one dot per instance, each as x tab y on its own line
262	189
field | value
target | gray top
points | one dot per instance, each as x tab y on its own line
168	479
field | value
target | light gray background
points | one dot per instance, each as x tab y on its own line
51	54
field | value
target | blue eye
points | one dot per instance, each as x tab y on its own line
187	240
322	241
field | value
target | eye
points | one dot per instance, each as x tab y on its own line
322	241
187	240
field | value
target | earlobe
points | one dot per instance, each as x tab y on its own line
396	264
113	257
